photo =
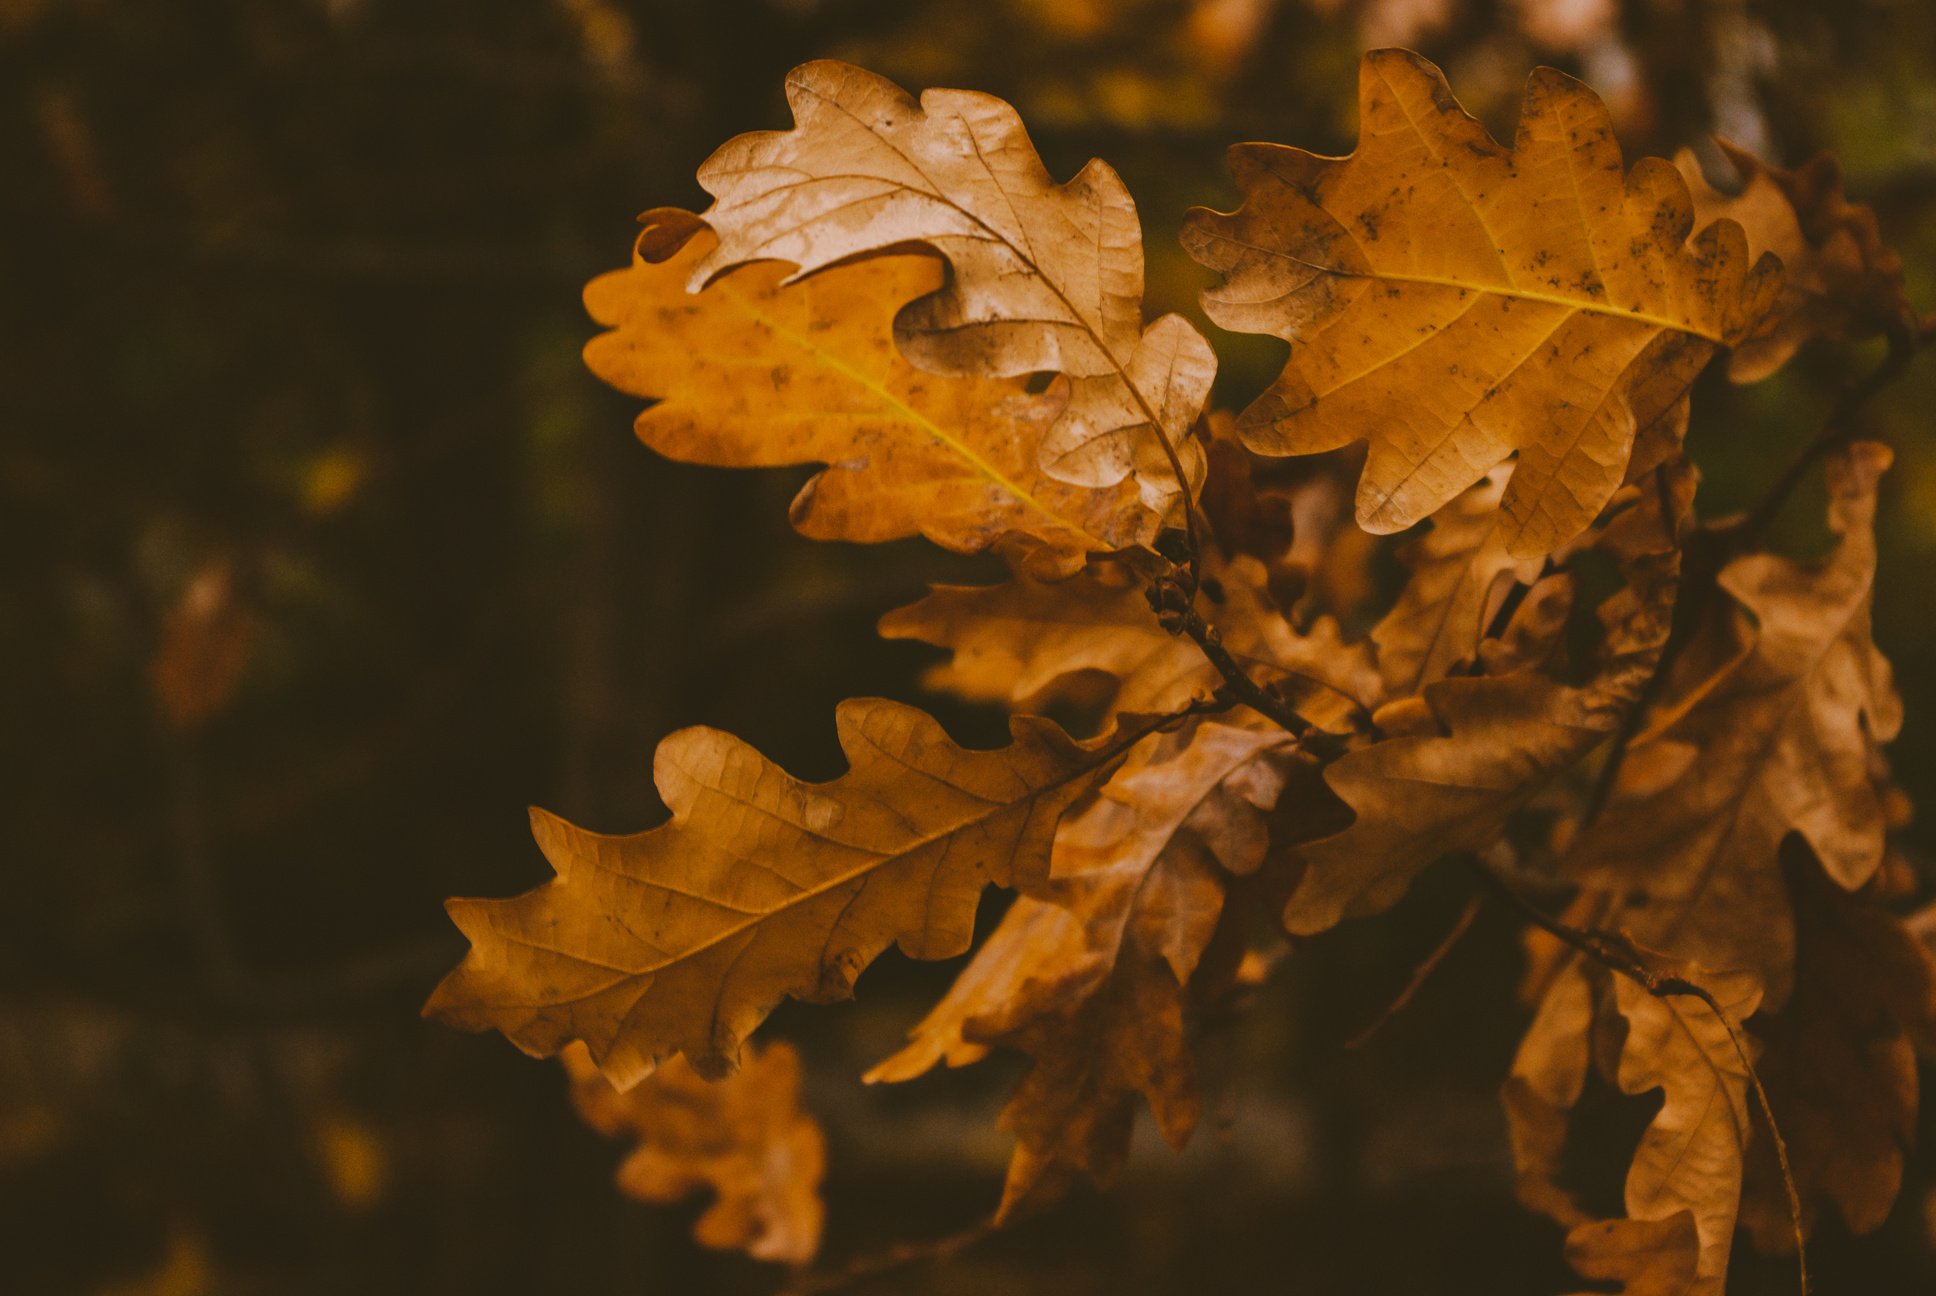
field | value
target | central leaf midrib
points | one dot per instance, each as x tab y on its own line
1493	290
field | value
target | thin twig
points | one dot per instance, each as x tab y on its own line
1904	344
1618	954
1174	603
1422	973
895	1257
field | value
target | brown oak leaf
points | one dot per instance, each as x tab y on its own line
1690	1155
1781	737
683	938
756	370
1840	279
745	1138
1470	750
1028	641
1839	1063
1456	302
1090	979
1045	277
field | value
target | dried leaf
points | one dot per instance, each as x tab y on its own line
683	938
1458	302
755	371
1839	1064
1548	1075
1840	280
1045	277
1090	980
1027	642
1460	570
1690	1155
1786	733
1655	1257
1471	750
745	1138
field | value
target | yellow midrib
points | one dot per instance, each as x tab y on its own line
1493	290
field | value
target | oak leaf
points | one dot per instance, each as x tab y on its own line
1045	277
745	1138
1690	1155
1027	641
1460	571
1839	1063
1840	279
1786	731
756	371
1456	302
683	938
1090	979
1470	750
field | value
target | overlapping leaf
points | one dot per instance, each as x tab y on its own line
1458	303
1781	736
1045	277
1028	641
745	1139
1091	979
1471	750
683	938
1691	1154
754	371
1839	1064
1840	280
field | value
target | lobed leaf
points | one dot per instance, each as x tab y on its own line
681	939
1456	303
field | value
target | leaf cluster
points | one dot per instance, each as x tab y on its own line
1658	741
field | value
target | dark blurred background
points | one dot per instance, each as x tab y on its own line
321	556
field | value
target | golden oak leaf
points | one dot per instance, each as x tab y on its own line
1297	523
1651	1257
1782	738
1045	277
1690	1155
1460	572
1548	1075
1839	1064
683	938
1469	751
1457	303
1029	641
1840	279
745	1138
1090	979
756	371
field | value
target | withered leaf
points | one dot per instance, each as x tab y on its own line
1045	277
683	938
1840	279
1090	978
1472	749
1029	641
1785	733
1839	1063
1457	302
756	371
1690	1155
745	1138
1459	570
